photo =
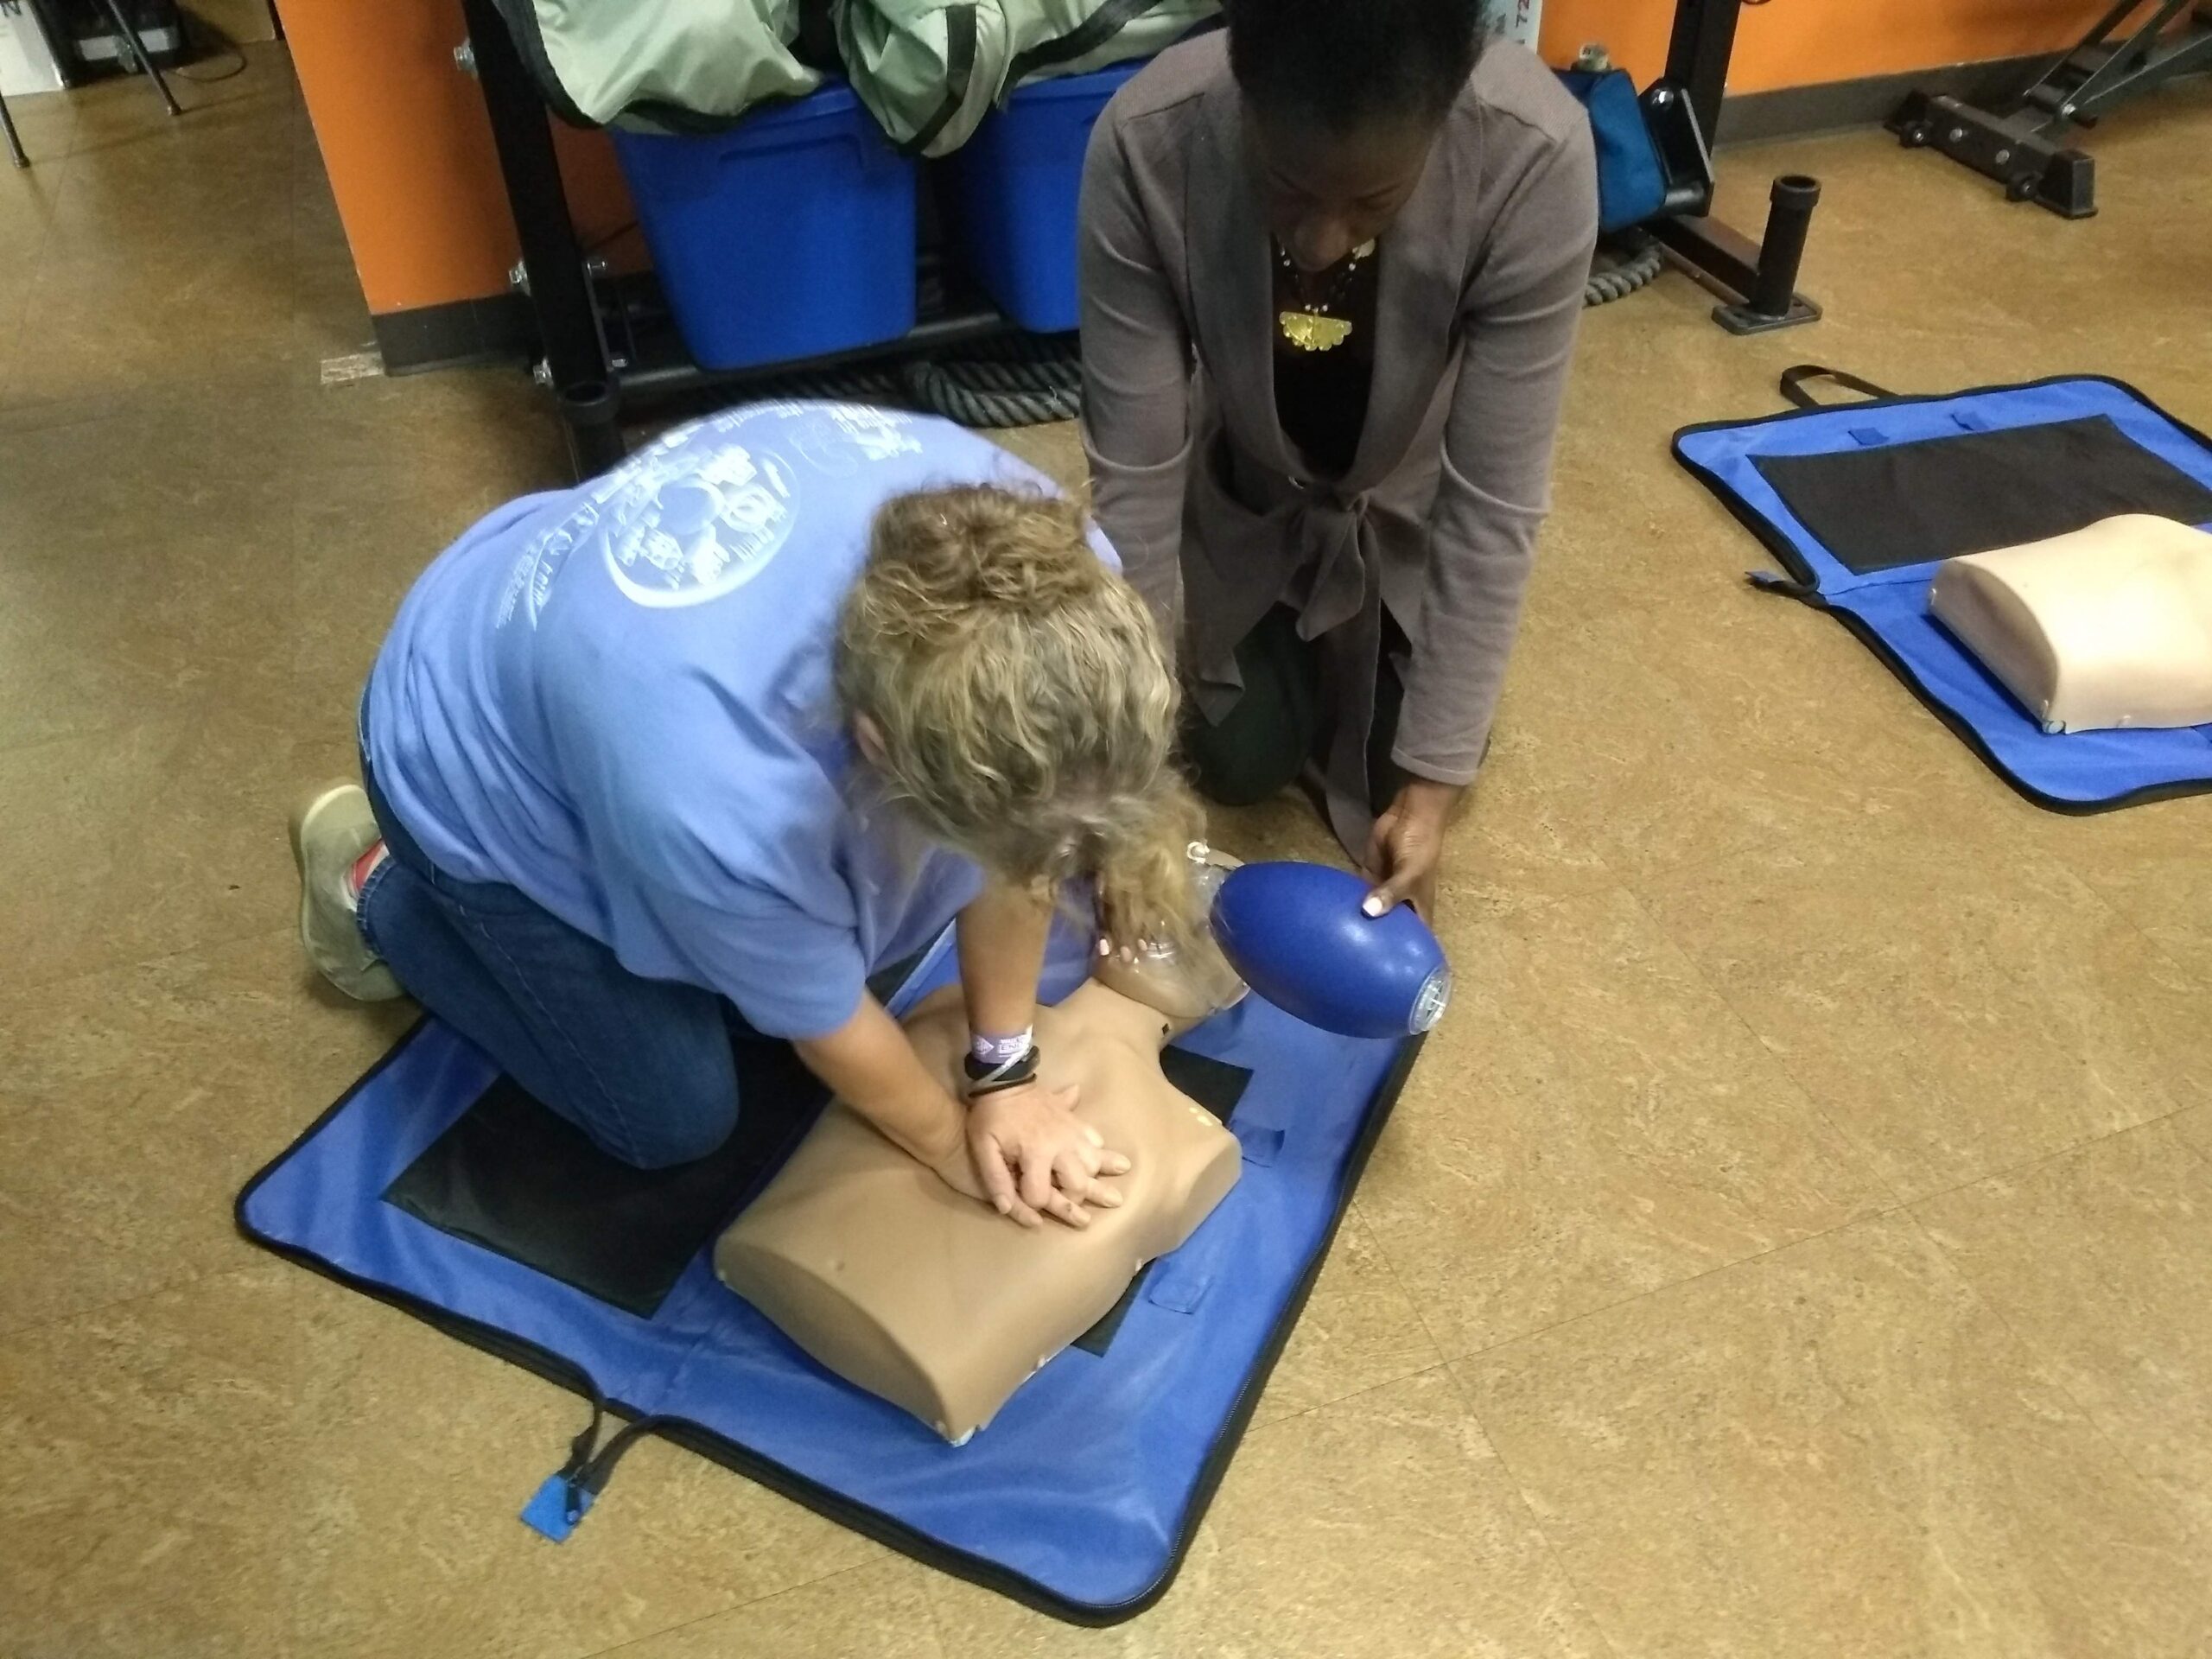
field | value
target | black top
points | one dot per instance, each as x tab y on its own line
1321	397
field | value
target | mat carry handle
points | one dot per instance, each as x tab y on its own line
566	1494
1794	380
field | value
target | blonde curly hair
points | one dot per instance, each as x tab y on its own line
1024	703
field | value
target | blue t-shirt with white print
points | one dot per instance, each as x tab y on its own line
617	700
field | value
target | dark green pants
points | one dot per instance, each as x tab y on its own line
1281	721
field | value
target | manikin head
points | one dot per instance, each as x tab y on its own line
1011	691
1343	100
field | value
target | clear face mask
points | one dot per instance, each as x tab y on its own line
1206	877
1191	987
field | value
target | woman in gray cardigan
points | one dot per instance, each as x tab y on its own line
1333	262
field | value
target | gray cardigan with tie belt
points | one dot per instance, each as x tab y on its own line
1194	481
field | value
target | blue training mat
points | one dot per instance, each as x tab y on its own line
1088	1526
1861	502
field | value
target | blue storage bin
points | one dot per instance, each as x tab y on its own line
788	236
1015	184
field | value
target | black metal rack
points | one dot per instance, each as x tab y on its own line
2023	147
1756	281
599	367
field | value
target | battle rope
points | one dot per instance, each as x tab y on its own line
1020	380
1619	271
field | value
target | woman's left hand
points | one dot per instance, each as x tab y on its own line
1403	852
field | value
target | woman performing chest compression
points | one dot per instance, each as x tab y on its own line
1332	264
701	745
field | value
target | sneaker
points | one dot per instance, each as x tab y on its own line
329	835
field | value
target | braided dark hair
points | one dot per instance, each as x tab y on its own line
1343	64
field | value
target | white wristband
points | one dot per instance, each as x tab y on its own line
1000	1050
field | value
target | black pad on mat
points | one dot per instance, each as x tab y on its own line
513	1177
516	1178
1215	1085
1903	503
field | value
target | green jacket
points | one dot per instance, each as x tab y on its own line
929	70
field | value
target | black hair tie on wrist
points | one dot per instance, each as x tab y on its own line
984	1078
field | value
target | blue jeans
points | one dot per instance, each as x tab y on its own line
643	1066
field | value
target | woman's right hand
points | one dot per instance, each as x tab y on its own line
1029	1156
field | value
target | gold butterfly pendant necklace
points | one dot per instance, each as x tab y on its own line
1313	326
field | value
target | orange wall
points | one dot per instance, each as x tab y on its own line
1799	42
409	148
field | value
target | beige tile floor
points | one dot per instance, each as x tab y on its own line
1798	1242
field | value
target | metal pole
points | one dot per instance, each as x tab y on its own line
560	297
1697	57
1780	252
591	412
137	48
1769	282
14	144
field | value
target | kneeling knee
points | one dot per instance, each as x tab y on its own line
665	1138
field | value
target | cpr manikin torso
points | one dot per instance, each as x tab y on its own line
2108	626
933	1301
